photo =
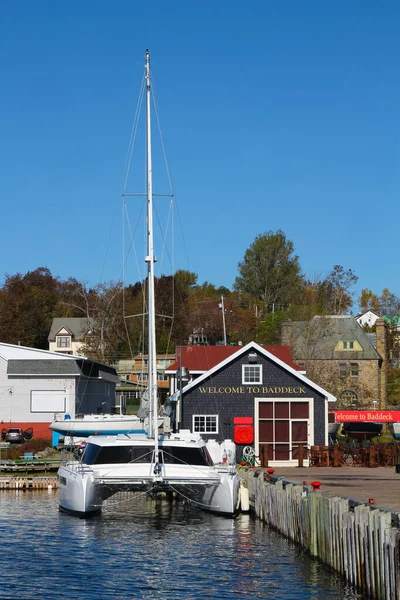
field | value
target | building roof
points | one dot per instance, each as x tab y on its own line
199	359
262	350
317	339
365	312
78	327
32	361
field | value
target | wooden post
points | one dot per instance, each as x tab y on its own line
301	455
372	456
336	459
264	455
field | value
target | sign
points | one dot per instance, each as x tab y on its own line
251	389
366	416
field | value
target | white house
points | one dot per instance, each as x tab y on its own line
35	384
367	318
67	335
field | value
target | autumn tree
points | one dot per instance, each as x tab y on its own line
28	304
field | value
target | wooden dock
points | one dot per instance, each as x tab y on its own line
28	483
356	536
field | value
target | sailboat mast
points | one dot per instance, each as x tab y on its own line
150	260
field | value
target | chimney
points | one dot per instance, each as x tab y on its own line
286	334
382	347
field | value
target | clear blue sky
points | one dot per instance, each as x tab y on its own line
275	115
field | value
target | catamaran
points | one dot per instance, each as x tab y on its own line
173	462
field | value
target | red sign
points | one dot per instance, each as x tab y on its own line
366	416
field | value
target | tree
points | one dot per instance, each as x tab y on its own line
336	288
369	301
269	272
28	304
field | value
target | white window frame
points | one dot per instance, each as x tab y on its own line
67	339
251	366
204	429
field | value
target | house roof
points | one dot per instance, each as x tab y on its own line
32	361
77	326
73	367
321	335
262	350
199	359
362	314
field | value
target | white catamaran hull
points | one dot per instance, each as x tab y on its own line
83	490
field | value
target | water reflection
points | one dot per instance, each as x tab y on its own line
140	548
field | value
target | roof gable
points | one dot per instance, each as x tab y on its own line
271	357
322	335
78	327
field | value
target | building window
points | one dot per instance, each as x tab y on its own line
205	423
349	398
348	345
354	370
63	342
251	373
342	370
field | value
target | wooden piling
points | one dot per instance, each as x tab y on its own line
357	541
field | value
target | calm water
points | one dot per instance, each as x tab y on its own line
145	549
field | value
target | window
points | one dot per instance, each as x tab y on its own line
205	423
342	370
349	397
251	373
354	370
348	345
63	342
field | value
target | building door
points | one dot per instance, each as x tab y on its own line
283	424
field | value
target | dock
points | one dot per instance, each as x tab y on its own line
347	517
28	483
382	484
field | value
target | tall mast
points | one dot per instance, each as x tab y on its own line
150	260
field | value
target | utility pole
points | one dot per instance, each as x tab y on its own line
223	318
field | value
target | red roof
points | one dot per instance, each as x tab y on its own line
204	358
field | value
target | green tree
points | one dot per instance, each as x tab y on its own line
270	272
338	298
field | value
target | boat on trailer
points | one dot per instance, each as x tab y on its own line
175	462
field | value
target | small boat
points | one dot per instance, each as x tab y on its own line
103	424
333	427
362	431
395	429
177	463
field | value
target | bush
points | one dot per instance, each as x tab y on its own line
34	445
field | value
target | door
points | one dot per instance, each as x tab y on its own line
283	425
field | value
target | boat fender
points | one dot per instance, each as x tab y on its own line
244	498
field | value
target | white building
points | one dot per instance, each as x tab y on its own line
68	335
35	384
368	318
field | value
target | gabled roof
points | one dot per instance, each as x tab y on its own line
272	357
321	335
372	312
199	359
77	326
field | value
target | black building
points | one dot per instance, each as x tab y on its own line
256	399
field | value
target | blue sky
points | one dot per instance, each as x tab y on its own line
275	115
